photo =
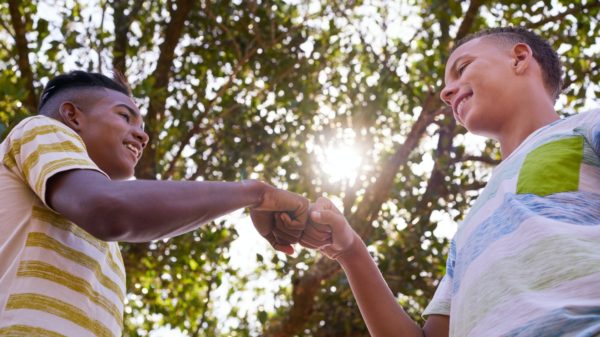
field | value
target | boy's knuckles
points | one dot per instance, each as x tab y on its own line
285	238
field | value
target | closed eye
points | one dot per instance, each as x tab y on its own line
462	67
125	115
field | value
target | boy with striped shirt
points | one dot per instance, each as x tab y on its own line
525	260
66	201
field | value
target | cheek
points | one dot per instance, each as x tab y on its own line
488	92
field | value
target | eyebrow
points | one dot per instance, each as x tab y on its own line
132	112
457	60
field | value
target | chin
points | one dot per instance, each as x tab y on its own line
481	130
121	175
477	126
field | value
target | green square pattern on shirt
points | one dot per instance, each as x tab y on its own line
552	168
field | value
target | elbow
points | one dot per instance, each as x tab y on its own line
107	218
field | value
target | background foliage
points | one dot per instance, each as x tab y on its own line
261	89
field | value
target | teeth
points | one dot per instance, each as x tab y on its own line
461	104
132	148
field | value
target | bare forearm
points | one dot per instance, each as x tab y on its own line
378	306
144	210
169	208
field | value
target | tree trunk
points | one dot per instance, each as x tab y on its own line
147	167
31	101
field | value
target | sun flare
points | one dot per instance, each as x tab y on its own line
340	162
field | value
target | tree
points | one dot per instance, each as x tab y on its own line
258	89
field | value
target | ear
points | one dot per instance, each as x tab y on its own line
522	57
71	115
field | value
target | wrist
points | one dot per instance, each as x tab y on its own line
349	254
255	189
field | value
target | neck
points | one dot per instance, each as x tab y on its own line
530	117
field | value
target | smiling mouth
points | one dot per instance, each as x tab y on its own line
134	150
461	105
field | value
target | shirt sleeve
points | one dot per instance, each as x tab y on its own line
442	299
593	133
40	147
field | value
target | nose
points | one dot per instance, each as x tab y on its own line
141	135
448	92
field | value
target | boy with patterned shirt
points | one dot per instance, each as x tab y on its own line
65	202
525	260
39	247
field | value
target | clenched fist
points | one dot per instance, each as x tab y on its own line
328	230
268	217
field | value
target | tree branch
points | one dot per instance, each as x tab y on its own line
378	192
483	159
230	80
205	307
101	40
304	293
30	101
386	61
158	97
435	184
122	24
477	185
8	30
236	46
468	19
560	16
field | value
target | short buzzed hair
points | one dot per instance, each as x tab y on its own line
543	53
82	80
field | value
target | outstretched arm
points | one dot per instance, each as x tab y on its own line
144	210
378	305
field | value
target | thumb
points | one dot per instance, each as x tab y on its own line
336	221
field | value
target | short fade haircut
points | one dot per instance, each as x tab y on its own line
543	53
79	79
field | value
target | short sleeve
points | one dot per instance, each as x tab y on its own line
40	147
441	302
589	128
593	134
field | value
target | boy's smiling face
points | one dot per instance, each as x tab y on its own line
480	86
112	129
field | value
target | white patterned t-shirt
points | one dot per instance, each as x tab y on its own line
526	259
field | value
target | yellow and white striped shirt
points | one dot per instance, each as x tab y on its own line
55	278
